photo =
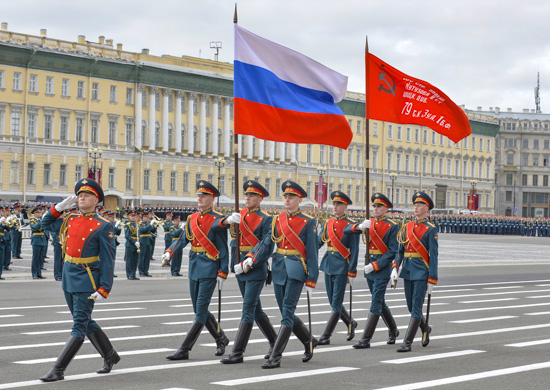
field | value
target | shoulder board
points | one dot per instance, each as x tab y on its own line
392	221
431	224
101	218
217	213
307	216
265	214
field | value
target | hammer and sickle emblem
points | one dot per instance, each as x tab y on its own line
390	89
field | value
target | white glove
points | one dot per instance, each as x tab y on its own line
247	264
2	219
239	268
269	264
394	275
234	218
369	268
309	291
117	224
137	244
165	258
351	279
364	225
430	288
97	297
220	282
66	203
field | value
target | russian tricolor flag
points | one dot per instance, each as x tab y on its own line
281	95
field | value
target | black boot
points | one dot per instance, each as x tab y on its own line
221	340
101	342
243	334
274	360
331	325
302	332
267	329
344	315
392	326
68	353
370	327
183	352
426	330
409	337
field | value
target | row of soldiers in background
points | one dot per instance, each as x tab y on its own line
490	224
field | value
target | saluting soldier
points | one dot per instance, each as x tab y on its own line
250	266
206	230
166	225
339	264
295	263
39	243
89	245
382	251
418	253
132	245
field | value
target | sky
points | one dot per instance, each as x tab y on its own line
481	53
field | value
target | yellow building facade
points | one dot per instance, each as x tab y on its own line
164	123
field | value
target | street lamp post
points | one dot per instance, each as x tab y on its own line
472	201
393	177
321	171
219	163
95	154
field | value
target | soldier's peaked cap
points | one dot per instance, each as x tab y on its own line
339	196
253	187
291	187
90	186
204	187
380	198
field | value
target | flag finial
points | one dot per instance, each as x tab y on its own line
235	18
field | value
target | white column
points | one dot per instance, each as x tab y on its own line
202	124
282	151
261	143
240	145
215	135
152	94
249	148
165	96
271	151
292	153
177	133
138	107
226	126
190	122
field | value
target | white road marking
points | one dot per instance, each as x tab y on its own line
482	319
108	310
69	330
490	300
500	288
11	315
288	375
540	313
96	355
469	377
538	297
432	357
528	343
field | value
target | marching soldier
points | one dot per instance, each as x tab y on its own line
154	225
132	245
110	216
9	225
251	269
295	263
16	236
382	250
89	246
145	231
3	232
418	254
339	264
175	233
166	225
206	230
39	243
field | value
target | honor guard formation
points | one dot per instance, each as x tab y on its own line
261	247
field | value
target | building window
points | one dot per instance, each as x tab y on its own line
112	132
63	175
510	158
65	87
535	161
130	96
95	91
211	178
375	159
17	81
170	102
358	194
94	130
33	83
389	160
509	178
144	98
146	179
111	181
407	163
1	122
186	182
49	85
157	100
207	106
129	179
545	180
481	144
129	134
536	144
399	133
331	155
80	89
78	173
425	136
523	180
535	180
408	134
31	125
322	154
433	137
31	167
359	126
1	79
63	127
47	174
113	94
350	157
390	131
398	162
375	129
173	182
473	143
278	187
14	172
425	164
359	158
79	129
16	123
524	159
525	143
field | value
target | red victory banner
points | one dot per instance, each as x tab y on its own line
393	96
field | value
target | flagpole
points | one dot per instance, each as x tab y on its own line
236	174
367	145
